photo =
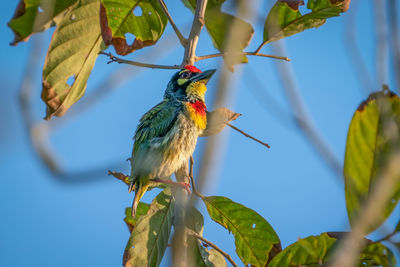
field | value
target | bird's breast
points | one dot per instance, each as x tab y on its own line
197	113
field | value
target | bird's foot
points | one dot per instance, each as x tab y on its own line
184	185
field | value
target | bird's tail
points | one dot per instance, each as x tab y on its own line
140	189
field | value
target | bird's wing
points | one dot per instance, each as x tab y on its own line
157	122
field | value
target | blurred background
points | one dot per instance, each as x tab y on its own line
76	218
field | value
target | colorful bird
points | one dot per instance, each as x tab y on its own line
167	134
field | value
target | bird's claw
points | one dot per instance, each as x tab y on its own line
186	186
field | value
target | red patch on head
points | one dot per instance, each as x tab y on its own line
192	68
199	107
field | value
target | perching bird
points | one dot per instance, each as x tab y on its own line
167	134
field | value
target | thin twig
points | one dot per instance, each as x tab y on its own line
238	54
178	33
223	253
305	124
194	189
247	135
386	237
198	23
139	64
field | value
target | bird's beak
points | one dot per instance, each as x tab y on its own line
203	76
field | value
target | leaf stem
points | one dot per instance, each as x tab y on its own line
182	39
139	64
244	53
247	135
259	47
226	255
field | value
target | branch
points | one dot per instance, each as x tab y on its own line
301	118
178	33
198	23
194	189
238	54
226	255
247	135
139	64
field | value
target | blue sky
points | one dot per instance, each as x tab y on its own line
45	222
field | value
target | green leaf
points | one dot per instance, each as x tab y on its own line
377	254
121	20
130	221
33	16
284	18
197	254
310	251
73	50
218	24
314	251
149	238
254	236
371	139
397	229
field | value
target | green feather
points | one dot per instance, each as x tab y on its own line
157	122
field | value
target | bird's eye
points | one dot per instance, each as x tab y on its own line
185	75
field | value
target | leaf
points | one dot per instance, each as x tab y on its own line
316	250
73	50
397	228
284	18
218	25
197	254
117	19
217	120
377	254
130	221
372	137
33	16
310	251
149	238
254	236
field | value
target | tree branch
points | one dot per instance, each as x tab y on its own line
247	135
226	255
139	64
194	189
182	39
198	23
244	53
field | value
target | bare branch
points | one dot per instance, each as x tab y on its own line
139	64
194	188
198	23
182	39
247	135
223	253
305	124
239	54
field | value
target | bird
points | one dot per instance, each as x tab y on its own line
166	135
